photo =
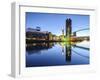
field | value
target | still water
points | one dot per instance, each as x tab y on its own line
57	53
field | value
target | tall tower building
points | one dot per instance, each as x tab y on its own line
62	31
68	27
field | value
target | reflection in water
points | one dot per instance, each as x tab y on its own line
37	47
68	52
55	53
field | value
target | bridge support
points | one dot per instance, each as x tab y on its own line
74	33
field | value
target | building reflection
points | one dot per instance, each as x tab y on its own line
37	47
68	52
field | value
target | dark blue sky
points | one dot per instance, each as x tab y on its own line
55	22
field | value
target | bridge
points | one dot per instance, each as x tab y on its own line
74	33
80	38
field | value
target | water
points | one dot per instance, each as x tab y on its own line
57	53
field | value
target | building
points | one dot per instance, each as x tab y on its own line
68	28
36	34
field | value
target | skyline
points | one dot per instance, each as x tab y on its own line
56	22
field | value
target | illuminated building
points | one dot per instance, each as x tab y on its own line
68	28
36	34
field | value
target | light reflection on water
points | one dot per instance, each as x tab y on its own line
58	53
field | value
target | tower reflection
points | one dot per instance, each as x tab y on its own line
68	52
